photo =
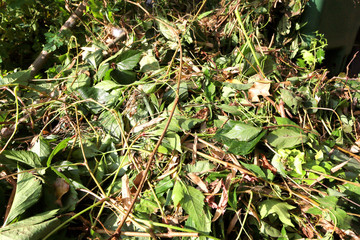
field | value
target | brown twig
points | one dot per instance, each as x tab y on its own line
70	23
10	179
158	235
117	233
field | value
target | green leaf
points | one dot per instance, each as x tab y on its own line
169	96
284	25
238	130
308	57
96	94
286	121
149	63
239	147
343	219
36	227
42	149
57	149
210	90
269	230
21	77
125	77
279	208
286	138
128	59
244	147
74	83
107	85
178	124
291	100
95	58
192	200
28	191
320	55
164	185
172	141
103	68
234	110
110	124
27	157
255	169
165	30
146	206
314	211
178	193
199	166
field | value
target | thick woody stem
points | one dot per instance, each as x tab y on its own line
70	23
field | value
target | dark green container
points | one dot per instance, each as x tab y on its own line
339	21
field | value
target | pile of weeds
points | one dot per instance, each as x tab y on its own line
209	120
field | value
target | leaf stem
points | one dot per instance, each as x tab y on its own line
75	216
237	14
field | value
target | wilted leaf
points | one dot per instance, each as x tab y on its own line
279	208
221	206
125	192
197	180
61	188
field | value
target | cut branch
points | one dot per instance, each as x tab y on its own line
70	23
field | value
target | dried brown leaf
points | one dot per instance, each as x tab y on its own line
61	188
259	89
125	192
197	180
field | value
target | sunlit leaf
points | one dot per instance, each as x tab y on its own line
36	227
29	158
42	149
281	209
286	138
239	131
28	191
128	59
